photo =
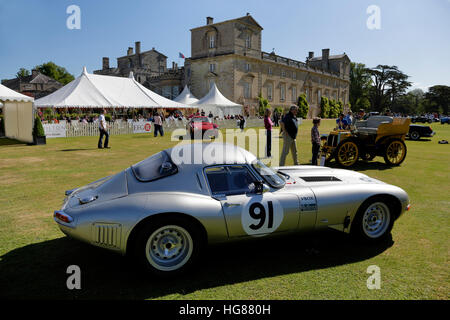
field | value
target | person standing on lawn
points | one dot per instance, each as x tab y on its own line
315	140
158	125
289	125
103	126
268	125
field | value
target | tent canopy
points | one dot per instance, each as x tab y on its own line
186	97
18	114
6	94
217	104
98	91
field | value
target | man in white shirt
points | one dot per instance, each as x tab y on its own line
102	126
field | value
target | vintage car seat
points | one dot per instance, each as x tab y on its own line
370	126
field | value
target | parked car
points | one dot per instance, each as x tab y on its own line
377	136
202	125
417	131
163	211
421	119
445	120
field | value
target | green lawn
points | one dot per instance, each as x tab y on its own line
34	254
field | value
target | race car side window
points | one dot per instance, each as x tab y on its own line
155	167
229	180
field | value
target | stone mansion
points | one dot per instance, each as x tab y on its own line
229	54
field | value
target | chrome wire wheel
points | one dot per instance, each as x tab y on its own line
376	220
169	248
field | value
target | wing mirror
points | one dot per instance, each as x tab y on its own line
261	187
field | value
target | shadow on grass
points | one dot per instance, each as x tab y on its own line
80	149
39	270
9	142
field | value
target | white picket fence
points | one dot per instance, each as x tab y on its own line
79	129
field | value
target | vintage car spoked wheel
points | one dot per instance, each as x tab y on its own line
169	248
414	135
347	153
376	220
395	152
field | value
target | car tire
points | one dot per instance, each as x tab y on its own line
347	153
374	220
414	135
391	155
168	246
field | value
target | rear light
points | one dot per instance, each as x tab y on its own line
63	217
430	128
408	207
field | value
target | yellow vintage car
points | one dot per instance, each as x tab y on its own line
377	136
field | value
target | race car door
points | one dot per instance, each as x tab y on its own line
246	212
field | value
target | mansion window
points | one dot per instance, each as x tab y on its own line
282	92
247	91
294	94
319	96
212	67
247	67
269	92
212	41
270	71
283	73
294	75
248	41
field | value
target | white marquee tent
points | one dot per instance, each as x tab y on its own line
18	114
216	103
99	91
186	97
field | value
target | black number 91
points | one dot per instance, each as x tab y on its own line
261	215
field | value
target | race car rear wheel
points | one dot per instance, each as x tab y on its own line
395	152
168	246
374	220
347	153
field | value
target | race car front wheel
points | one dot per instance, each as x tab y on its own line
168	246
374	220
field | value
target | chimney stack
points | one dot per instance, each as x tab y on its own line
130	51
209	20
325	57
105	63
173	65
310	55
137	46
34	72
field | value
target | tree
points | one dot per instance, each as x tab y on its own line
360	82
22	73
263	105
56	72
388	83
303	106
439	98
324	107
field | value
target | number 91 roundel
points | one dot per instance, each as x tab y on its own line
261	215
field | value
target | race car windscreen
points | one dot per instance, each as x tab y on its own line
270	176
154	167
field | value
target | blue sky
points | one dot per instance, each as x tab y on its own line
414	34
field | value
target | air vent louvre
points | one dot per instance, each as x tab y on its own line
320	179
107	234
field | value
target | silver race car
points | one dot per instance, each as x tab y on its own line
164	209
